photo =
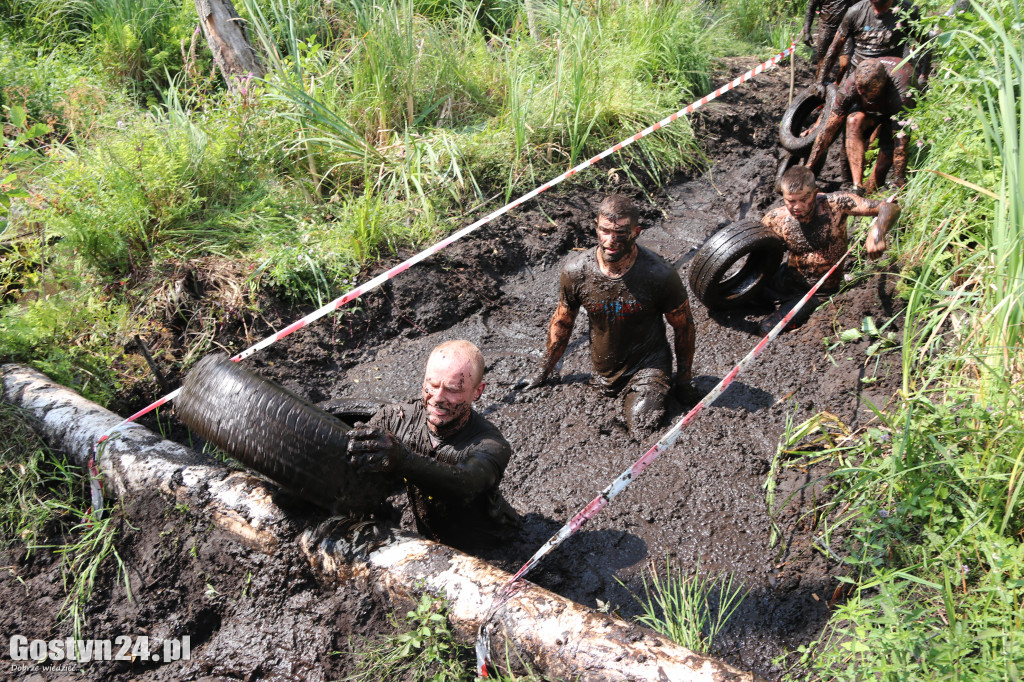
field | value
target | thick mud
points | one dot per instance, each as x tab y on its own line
701	504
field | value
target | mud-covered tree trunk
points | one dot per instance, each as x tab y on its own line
229	41
557	636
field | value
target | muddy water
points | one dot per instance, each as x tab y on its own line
703	503
254	615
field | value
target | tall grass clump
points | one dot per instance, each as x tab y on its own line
928	504
691	610
42	506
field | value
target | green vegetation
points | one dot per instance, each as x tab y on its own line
688	609
131	172
424	648
43	505
927	515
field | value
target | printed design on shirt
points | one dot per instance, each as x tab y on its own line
615	310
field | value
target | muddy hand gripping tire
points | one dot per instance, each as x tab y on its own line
808	112
278	434
734	263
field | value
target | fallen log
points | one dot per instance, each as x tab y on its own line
556	636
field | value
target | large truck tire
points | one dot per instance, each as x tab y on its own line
277	433
734	263
805	118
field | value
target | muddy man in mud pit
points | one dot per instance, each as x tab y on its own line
451	458
813	226
626	289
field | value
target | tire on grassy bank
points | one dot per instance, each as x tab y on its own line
278	434
734	263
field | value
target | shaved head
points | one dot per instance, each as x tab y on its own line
461	350
453	380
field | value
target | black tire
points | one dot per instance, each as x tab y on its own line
278	434
714	278
808	112
785	163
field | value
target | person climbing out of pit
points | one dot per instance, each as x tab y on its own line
451	458
626	290
813	226
830	15
879	29
868	101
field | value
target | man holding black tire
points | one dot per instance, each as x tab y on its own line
813	226
451	458
627	291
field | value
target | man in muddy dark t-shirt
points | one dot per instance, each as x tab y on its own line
830	15
813	226
626	290
451	458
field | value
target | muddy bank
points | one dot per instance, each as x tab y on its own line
701	503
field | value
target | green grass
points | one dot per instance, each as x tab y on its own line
424	647
689	609
925	508
380	127
42	505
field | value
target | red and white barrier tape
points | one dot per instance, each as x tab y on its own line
353	294
638	467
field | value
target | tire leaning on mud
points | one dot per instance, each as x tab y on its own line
277	433
805	118
734	263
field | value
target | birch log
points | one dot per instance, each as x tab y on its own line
555	635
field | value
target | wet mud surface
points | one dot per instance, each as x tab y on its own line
702	503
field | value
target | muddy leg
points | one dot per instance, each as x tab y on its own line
858	127
644	402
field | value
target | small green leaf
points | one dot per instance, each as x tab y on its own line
17	116
37	130
850	335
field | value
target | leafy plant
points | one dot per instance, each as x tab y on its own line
424	648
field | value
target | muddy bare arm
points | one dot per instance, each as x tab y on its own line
887	215
819	151
559	331
805	34
375	450
829	60
885	212
681	322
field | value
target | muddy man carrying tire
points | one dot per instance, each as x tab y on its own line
451	459
739	263
813	227
626	290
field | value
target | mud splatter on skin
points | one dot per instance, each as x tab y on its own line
701	502
816	243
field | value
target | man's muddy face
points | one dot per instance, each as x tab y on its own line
448	392
872	89
801	204
616	239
